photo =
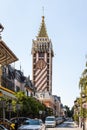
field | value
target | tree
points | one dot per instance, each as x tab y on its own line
83	82
29	106
68	111
83	87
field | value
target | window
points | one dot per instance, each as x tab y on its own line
48	66
47	77
34	66
17	88
47	72
41	55
34	60
34	55
47	60
48	55
47	83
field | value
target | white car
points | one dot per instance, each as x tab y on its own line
32	124
50	121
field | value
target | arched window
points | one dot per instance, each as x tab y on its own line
41	55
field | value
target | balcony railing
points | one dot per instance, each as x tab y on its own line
7	83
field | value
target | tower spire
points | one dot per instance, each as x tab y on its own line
42	31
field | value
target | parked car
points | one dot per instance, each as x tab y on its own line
19	120
8	124
50	121
59	120
32	124
2	127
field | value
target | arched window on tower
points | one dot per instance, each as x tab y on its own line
41	55
48	60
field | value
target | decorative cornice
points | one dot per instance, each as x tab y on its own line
42	32
6	55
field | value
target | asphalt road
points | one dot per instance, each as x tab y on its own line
67	124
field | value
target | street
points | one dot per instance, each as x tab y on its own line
67	125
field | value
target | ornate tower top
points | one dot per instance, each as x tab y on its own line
42	42
42	31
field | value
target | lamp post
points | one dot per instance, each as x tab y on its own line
2	105
9	107
40	113
18	108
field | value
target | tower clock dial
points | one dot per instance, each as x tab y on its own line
40	64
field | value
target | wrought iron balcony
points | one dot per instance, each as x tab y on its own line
6	83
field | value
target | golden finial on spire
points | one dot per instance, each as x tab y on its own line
42	31
43	13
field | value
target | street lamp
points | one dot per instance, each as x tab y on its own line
18	108
40	113
9	107
2	105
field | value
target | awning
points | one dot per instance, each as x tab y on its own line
7	94
6	55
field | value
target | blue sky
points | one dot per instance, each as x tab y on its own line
66	23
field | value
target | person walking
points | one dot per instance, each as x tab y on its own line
16	124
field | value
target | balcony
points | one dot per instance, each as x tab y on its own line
7	83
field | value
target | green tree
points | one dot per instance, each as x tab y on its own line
69	113
83	82
29	106
83	87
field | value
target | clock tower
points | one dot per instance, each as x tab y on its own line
42	54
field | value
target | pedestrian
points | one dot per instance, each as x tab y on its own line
16	125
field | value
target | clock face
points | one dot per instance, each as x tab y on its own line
40	64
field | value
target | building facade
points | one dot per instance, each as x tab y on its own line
14	80
6	57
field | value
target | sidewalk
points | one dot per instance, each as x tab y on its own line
64	128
